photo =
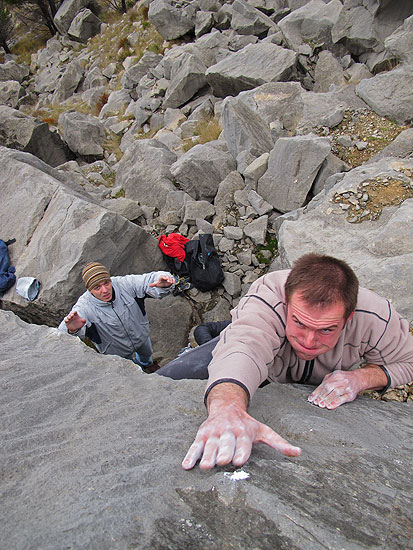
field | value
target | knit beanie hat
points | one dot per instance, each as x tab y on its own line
94	273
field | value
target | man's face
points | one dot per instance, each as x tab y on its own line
311	330
103	291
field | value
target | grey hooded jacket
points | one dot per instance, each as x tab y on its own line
121	326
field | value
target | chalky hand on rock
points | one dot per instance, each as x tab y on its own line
230	432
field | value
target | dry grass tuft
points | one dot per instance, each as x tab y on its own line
101	102
208	129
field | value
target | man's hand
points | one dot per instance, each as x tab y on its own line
164	281
74	322
340	387
229	432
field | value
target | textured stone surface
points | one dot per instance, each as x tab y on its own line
91	451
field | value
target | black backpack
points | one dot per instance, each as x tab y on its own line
177	267
205	270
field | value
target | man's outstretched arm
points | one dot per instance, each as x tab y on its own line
343	386
229	432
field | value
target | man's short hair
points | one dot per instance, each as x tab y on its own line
322	281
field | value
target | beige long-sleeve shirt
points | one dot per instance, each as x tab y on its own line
254	347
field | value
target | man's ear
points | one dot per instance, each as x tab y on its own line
350	316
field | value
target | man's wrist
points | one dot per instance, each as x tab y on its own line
227	393
373	377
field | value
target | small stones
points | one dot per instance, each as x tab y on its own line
383	191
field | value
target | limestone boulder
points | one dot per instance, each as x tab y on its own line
311	22
328	72
50	53
94	79
46	79
58	228
13	71
172	19
227	188
117	100
363	25
84	134
250	67
188	78
211	48
244	129
135	72
10	93
293	165
400	43
144	172
85	25
389	94
29	134
67	11
248	20
200	171
116	438
68	82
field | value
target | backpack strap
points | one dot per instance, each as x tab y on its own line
10	241
203	256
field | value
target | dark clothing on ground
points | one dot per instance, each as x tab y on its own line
206	332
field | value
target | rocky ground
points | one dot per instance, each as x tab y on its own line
358	138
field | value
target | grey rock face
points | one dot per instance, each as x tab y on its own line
389	94
248	20
171	19
250	67
364	25
67	12
29	134
84	26
134	73
13	71
84	134
312	22
200	171
10	92
102	458
400	42
244	129
328	71
292	167
186	81
68	82
94	79
145	172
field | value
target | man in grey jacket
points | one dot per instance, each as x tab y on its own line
311	325
111	313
